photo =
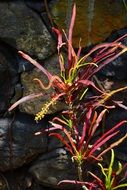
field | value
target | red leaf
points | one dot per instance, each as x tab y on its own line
102	142
56	127
109	133
107	61
58	136
81	142
98	120
59	36
89	83
99	181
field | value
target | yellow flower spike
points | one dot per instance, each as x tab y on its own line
40	115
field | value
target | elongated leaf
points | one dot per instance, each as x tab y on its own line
59	136
110	132
113	145
67	133
59	37
99	181
35	63
99	119
120	186
59	120
92	124
55	127
117	40
24	99
70	34
77	182
98	145
107	61
90	83
120	104
54	81
81	142
110	179
101	47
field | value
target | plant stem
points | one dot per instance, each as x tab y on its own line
80	172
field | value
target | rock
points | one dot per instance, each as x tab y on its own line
23	29
33	107
95	20
8	75
113	118
51	168
38	6
20	179
18	143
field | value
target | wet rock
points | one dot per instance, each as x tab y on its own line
18	144
24	29
51	168
30	86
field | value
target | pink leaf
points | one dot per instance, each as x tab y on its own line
89	83
72	23
59	35
24	99
119	103
70	35
77	182
35	63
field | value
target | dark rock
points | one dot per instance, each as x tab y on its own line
38	6
23	29
18	144
19	179
11	65
51	168
8	75
117	69
113	118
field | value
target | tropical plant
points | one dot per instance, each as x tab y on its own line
80	123
112	178
76	75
